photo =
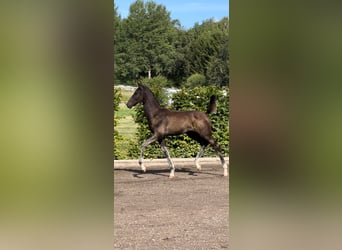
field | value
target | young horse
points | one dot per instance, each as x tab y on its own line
164	122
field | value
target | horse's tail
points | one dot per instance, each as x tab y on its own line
212	105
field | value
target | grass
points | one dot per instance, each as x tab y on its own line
126	125
126	94
127	128
124	111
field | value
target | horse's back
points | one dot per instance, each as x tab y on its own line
186	115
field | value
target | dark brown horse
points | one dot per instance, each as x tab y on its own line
164	122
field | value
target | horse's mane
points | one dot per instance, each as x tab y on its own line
150	95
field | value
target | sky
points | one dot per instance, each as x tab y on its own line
188	12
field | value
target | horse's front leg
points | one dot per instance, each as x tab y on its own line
153	138
166	152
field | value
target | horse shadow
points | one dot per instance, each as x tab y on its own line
138	173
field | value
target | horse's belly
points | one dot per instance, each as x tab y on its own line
178	128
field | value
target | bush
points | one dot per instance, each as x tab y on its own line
117	137
195	80
117	99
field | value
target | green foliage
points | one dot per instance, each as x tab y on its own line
208	44
146	42
195	80
124	126
117	99
218	66
149	42
117	23
217	72
117	137
157	85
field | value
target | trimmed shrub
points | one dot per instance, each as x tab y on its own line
195	80
116	102
117	137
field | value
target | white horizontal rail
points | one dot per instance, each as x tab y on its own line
179	162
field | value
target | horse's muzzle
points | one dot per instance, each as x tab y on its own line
129	105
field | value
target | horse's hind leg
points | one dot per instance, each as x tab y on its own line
166	152
199	155
203	142
217	149
153	138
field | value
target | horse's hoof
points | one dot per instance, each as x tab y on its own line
171	176
143	168
225	170
198	167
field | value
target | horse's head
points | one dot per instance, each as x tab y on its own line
137	97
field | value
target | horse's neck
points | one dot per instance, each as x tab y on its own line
151	106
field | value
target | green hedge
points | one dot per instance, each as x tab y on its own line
117	137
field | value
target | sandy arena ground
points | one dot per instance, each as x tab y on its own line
189	211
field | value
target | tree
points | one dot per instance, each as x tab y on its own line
147	38
149	43
218	66
218	72
117	27
208	51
